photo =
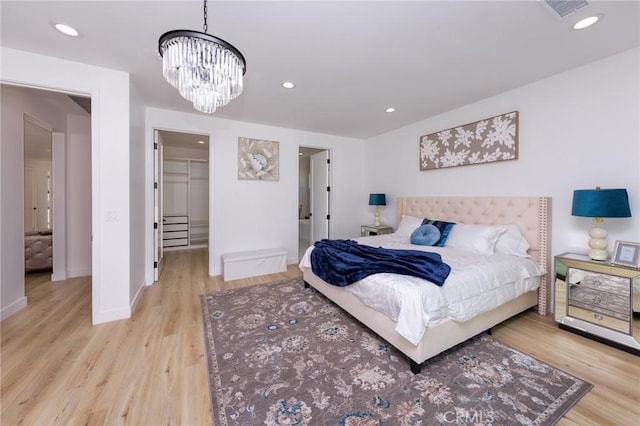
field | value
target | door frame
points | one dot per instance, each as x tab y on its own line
158	157
330	230
110	139
59	205
151	128
322	223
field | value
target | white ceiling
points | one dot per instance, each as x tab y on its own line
350	60
184	140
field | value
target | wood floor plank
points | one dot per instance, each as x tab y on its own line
56	368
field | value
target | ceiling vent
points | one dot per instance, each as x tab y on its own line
564	8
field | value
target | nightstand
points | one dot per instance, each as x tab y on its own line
366	230
599	300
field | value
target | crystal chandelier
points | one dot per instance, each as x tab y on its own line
206	70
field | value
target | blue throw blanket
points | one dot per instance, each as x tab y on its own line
343	262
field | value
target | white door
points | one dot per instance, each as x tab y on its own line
58	206
320	188
37	199
157	211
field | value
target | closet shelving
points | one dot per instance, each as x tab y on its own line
185	194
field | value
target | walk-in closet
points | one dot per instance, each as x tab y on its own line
185	192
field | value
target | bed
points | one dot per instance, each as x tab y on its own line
38	251
532	217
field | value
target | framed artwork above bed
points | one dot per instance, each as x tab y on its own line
484	141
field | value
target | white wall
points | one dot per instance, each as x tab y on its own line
109	92
78	194
247	215
578	130
12	296
137	223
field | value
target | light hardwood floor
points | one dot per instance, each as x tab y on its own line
150	370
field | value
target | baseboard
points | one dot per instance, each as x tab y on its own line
58	277
7	311
136	298
112	315
79	272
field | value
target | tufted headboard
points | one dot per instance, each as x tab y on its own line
531	214
38	251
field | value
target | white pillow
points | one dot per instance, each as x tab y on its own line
512	242
480	238
408	224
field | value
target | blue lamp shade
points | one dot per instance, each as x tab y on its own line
377	200
600	203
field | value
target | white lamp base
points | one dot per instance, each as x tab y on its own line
376	216
598	243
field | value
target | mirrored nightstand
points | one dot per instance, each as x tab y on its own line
598	300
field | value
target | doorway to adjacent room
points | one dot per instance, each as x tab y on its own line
314	196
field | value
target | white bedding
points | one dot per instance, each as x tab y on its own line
477	283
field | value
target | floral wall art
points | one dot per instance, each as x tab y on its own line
484	141
258	159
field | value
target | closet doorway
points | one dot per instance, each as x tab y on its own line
181	193
314	190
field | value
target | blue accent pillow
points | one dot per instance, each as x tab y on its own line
444	228
425	235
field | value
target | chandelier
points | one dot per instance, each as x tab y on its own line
206	70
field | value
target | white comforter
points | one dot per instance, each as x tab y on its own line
477	283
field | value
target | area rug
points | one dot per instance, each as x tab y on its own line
280	354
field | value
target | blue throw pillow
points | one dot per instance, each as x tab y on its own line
425	235
444	228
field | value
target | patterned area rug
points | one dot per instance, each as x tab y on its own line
280	354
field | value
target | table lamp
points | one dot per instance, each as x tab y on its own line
598	204
377	200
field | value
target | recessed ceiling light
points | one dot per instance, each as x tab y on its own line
65	29
288	85
586	22
390	110
201	142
